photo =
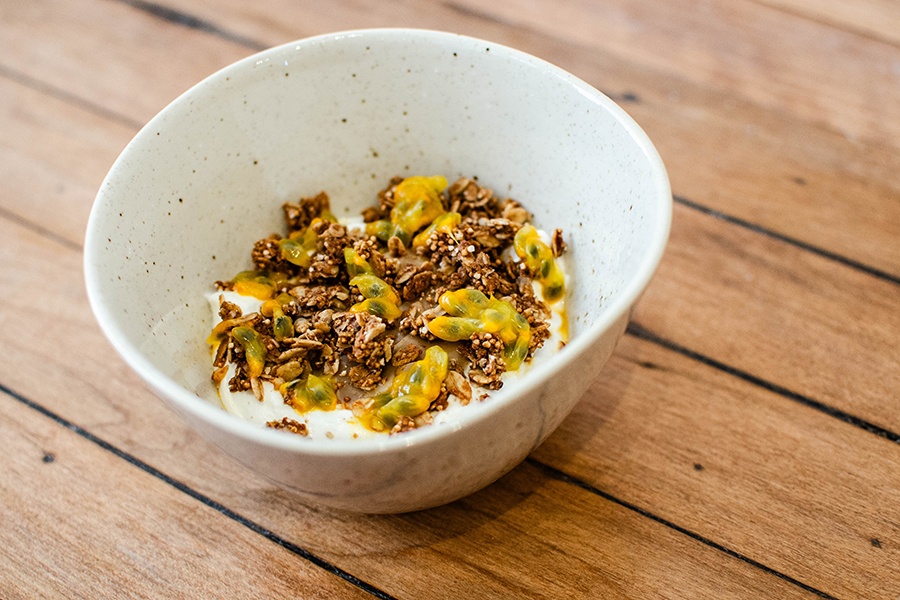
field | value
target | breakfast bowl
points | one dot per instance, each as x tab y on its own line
345	113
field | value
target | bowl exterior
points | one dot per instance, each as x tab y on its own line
345	112
421	476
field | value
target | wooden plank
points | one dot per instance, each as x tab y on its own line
53	157
70	324
80	522
793	179
778	60
119	418
114	418
528	532
813	326
65	44
776	480
879	19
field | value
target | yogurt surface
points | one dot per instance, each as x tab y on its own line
457	244
340	423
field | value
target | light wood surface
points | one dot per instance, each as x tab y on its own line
744	441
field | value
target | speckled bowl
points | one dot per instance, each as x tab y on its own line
345	112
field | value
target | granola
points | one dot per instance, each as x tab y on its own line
430	303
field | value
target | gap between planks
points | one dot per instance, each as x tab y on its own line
206	500
665	343
190	21
832	256
640	332
546	469
60	94
555	473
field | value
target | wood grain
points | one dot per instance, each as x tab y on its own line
99	53
787	316
53	157
672	478
81	522
776	59
874	18
778	481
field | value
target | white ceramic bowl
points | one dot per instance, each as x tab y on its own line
344	112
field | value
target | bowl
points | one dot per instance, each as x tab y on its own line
344	113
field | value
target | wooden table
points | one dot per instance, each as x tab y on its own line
744	441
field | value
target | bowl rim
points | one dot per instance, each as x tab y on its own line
200	408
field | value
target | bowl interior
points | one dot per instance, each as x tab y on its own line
344	113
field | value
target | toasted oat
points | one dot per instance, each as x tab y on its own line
365	379
298	216
328	262
266	256
407	354
417	285
219	374
557	244
386	196
228	310
288	424
373	213
257	388
396	247
441	402
514	211
490	382
485	351
459	387
291	370
313	298
221	356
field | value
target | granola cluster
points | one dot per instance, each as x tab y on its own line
358	308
